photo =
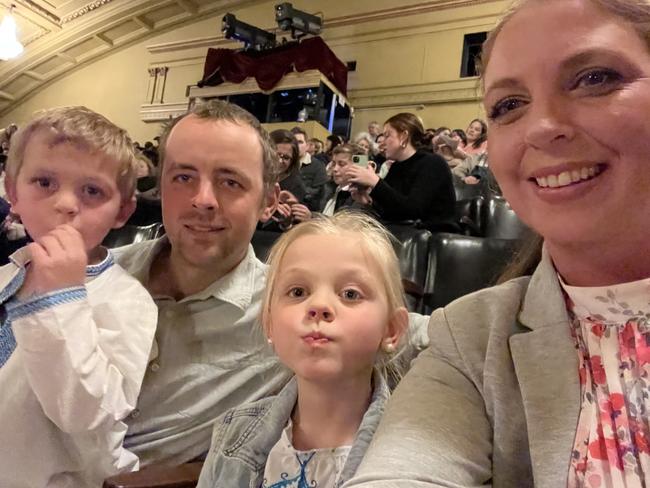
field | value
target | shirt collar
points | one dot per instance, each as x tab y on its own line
305	160
612	304
22	257
236	287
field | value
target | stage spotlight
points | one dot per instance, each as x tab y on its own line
289	18
251	36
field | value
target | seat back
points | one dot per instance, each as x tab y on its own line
464	191
459	265
500	221
412	249
469	215
147	211
262	242
130	234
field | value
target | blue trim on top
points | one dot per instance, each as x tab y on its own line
17	308
99	268
7	342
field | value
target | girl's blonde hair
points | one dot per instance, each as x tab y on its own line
375	239
80	126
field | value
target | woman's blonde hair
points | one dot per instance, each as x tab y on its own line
82	127
374	238
636	12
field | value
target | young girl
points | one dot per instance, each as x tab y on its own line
334	312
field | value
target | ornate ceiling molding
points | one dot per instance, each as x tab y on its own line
84	10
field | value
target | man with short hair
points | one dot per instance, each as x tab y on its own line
312	171
374	129
217	179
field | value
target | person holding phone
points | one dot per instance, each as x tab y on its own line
337	191
418	185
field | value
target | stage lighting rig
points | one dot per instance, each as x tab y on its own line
289	18
251	36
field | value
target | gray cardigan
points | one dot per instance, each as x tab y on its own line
494	400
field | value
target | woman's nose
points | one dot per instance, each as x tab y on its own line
550	123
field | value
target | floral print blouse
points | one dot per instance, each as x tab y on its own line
610	326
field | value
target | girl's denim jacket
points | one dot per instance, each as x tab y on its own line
243	437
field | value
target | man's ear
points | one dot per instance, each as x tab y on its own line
397	325
270	203
126	210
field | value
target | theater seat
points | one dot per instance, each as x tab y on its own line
469	215
262	242
183	476
500	221
459	265
147	211
130	234
464	191
412	249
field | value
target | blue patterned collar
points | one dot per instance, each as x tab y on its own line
22	257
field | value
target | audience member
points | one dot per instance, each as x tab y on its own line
459	135
144	167
472	169
5	136
417	187
286	146
331	142
476	135
334	311
312	171
542	381
318	150
337	194
380	157
290	207
374	129
367	143
77	329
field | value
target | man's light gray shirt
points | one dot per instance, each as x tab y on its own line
210	356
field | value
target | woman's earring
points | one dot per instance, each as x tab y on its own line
403	145
269	340
388	347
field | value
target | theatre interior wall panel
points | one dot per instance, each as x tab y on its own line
408	57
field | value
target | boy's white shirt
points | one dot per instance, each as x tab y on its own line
74	376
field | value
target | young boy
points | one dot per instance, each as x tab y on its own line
76	329
337	192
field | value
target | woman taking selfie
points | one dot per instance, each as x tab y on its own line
542	381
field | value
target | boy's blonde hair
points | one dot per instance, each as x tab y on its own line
85	128
375	239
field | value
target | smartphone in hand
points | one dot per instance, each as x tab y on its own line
360	160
